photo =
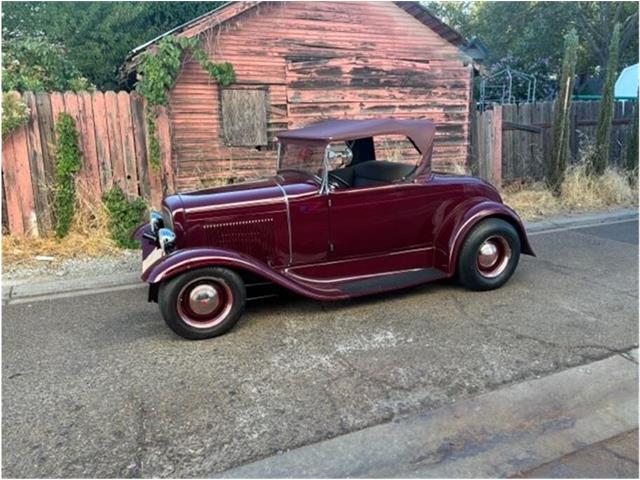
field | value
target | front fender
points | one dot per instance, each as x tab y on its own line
454	229
188	259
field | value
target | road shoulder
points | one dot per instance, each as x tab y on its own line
502	433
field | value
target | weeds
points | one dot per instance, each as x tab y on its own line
579	192
88	237
124	216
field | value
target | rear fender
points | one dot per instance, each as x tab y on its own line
455	228
192	258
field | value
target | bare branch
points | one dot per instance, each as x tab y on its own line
629	30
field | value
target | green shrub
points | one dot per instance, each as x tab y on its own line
68	163
36	64
124	216
14	113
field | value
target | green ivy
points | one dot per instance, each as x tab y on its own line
159	69
124	216
14	113
68	162
154	143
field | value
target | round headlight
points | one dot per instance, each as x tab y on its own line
155	219
167	240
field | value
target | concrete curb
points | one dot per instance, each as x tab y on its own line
496	435
582	220
23	290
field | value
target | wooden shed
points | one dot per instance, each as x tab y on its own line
300	62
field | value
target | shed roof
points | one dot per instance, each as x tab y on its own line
421	132
231	9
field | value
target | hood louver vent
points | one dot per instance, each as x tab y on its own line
253	237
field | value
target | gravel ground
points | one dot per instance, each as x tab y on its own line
126	261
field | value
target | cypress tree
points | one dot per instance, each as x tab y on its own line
600	160
561	114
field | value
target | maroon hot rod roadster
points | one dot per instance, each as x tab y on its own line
341	218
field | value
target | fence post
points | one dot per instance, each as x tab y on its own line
496	150
163	130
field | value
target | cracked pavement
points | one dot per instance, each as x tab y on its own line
96	385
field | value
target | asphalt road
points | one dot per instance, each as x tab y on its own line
96	385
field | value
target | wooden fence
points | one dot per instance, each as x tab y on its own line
508	142
511	142
115	151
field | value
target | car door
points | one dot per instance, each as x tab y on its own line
379	220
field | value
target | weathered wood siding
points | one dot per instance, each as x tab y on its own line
318	60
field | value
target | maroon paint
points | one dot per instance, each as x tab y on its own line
284	230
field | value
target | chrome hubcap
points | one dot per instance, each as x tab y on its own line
204	302
204	299
493	256
488	255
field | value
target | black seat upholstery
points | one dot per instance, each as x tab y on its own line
373	172
346	174
379	172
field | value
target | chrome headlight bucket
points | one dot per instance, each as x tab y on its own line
167	240
156	221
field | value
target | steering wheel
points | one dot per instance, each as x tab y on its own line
336	179
315	178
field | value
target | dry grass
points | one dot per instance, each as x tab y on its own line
532	201
89	237
580	193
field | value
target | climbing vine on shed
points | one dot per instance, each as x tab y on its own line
158	72
68	163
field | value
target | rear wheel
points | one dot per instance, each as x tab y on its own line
489	255
202	303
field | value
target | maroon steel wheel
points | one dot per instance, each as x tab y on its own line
204	302
493	256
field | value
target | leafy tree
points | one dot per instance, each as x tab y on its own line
600	159
529	36
561	117
97	35
37	65
597	21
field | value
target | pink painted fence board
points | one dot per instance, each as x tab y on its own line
114	143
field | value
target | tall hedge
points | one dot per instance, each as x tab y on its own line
562	110
600	159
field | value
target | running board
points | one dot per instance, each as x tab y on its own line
392	281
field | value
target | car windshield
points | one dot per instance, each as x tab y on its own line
309	157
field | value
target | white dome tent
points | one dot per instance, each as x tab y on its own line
627	83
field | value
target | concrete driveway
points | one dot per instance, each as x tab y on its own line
96	385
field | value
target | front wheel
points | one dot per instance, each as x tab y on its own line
489	255
203	303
